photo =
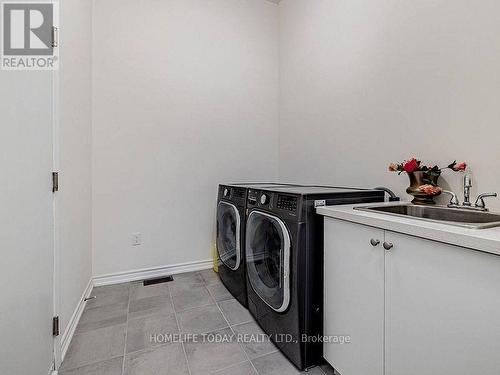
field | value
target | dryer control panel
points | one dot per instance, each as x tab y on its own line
234	194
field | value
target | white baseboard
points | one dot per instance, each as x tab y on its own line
148	273
73	322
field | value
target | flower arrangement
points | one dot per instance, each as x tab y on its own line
415	165
423	178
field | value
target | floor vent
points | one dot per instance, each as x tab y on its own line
158	280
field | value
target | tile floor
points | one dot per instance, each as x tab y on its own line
114	336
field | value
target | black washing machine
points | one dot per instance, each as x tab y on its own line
231	205
284	260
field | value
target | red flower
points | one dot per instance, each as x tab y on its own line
411	165
460	166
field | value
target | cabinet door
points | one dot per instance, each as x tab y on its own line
354	297
442	309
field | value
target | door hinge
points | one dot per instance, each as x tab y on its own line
55	181
55	37
55	326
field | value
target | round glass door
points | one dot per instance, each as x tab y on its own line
228	235
268	259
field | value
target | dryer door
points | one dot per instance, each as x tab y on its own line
268	259
228	235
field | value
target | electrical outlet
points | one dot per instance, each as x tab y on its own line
136	239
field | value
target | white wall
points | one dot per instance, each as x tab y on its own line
75	130
364	83
185	96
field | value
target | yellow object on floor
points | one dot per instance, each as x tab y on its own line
215	258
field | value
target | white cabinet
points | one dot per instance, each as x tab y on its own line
421	307
442	309
354	297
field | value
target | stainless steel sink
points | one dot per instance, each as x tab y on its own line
441	214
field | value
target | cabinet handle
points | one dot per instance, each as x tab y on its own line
388	245
374	242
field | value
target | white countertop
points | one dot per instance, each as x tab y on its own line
487	240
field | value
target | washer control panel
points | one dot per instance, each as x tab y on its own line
259	198
252	197
286	202
264	198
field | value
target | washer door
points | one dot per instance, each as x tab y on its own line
228	235
268	259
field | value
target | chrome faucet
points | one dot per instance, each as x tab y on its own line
454	202
480	205
467	186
